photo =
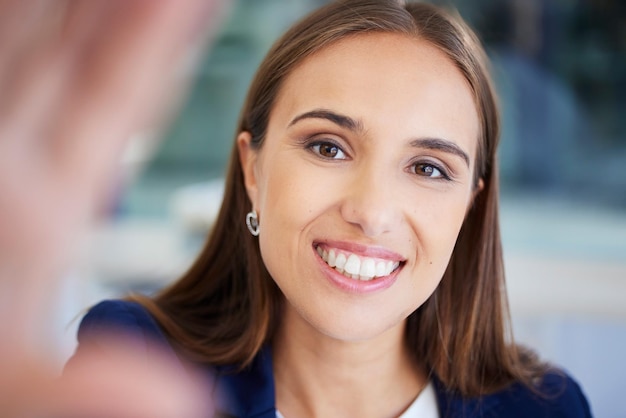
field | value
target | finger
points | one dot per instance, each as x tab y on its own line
17	20
127	76
38	76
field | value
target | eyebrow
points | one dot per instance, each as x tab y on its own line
357	126
338	119
441	145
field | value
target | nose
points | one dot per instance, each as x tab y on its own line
370	202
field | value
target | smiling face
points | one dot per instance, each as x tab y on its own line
363	181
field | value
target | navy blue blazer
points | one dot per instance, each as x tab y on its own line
250	393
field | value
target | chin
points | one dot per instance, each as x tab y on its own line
355	326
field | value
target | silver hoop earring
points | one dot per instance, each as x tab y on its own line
252	221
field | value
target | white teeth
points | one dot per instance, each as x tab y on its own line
381	269
331	258
340	262
368	268
355	267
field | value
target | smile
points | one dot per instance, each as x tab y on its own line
354	266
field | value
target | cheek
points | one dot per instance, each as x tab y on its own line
439	226
436	227
291	197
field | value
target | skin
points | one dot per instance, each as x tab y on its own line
78	79
376	187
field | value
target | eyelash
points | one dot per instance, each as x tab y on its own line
315	147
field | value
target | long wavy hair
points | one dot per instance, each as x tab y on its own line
226	307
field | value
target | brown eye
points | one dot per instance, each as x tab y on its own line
328	150
428	170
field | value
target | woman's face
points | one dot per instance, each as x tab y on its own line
363	182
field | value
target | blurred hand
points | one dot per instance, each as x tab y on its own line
121	380
124	380
77	79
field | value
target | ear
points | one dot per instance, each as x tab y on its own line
248	158
479	188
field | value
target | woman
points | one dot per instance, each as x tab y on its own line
357	251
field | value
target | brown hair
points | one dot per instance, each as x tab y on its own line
227	306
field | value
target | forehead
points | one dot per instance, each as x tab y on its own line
382	78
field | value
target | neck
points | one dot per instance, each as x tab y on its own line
320	376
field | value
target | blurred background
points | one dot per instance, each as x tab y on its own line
560	68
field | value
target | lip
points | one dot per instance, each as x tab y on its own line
346	284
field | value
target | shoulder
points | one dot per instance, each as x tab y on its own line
247	392
556	395
121	318
117	315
